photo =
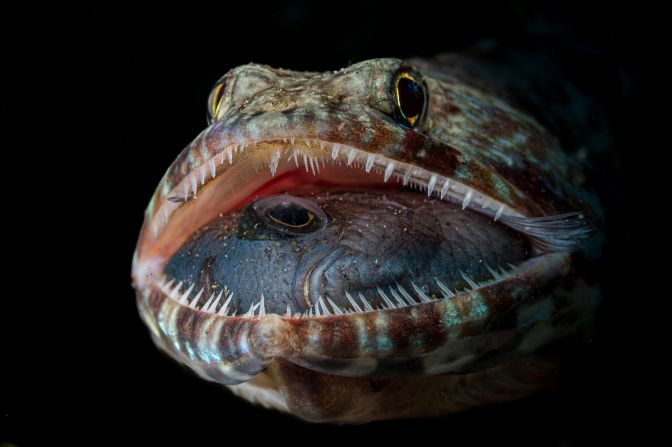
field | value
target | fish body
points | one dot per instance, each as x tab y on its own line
394	239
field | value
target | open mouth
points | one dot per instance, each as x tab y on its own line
309	228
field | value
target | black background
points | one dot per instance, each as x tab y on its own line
97	101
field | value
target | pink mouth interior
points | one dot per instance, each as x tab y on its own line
330	177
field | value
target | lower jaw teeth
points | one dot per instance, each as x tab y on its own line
223	303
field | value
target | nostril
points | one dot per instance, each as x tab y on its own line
279	217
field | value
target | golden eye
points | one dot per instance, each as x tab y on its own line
410	97
215	100
291	215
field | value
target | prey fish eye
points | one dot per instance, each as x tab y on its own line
291	216
280	217
314	256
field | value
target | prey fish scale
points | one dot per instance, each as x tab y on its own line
334	245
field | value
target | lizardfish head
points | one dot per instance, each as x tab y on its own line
334	242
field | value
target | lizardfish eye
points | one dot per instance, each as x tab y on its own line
215	99
410	97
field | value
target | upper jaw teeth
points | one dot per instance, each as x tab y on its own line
312	154
391	297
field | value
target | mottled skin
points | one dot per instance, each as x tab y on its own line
428	359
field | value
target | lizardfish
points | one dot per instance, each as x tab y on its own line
399	238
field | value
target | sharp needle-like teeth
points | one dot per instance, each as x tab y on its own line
275	160
499	212
202	176
213	168
407	174
444	188
351	156
305	161
166	287
215	303
469	281
289	311
467	199
407	296
447	293
225	307
174	292
396	296
352	302
385	298
494	273
229	154
369	163
207	304
250	313
194	187
185	295
367	306
334	151
423	296
325	311
196	298
432	183
337	310
295	155
317	309
262	307
388	171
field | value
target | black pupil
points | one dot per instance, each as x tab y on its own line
411	98
290	214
